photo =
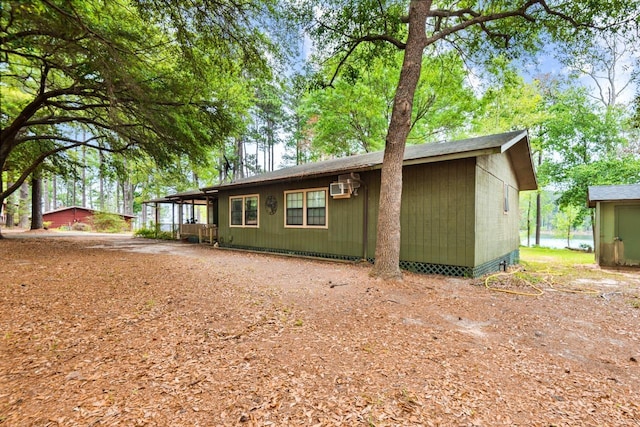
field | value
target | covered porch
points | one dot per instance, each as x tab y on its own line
193	215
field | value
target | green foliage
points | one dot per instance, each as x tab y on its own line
508	103
585	144
131	79
353	116
109	223
149	233
565	221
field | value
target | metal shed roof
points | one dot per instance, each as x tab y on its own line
68	208
610	193
516	143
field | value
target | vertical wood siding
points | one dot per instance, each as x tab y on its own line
606	233
342	237
67	217
437	213
496	231
452	214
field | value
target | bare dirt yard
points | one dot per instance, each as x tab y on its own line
121	331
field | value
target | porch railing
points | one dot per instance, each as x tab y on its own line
205	233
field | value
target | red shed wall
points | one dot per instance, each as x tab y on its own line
67	217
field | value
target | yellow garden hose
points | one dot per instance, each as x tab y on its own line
524	279
495	279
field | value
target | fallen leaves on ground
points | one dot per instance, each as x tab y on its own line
119	331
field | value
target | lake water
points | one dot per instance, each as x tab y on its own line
551	241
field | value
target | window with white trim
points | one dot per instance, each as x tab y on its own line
306	208
244	211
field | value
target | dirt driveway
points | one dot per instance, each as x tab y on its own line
121	331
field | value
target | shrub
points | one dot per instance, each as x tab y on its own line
109	223
46	224
149	233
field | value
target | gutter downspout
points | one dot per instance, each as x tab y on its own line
365	217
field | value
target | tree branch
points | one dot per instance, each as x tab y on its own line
32	167
66	107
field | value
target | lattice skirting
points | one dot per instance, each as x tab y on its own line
290	252
416	267
458	270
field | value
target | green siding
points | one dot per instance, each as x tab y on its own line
437	213
342	237
496	230
609	252
628	230
606	234
452	215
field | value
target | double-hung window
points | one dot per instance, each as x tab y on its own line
244	211
306	208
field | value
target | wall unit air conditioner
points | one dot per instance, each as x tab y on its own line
340	190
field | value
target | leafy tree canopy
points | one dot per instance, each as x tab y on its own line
130	83
353	115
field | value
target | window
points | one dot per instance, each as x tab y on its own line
306	208
506	197
295	208
244	211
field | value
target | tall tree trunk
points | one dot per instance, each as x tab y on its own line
387	263
257	154
539	205
68	200
10	208
45	194
101	196
54	193
529	222
74	197
84	175
36	200
239	168
117	208
23	209
10	219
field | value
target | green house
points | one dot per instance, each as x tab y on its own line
459	211
617	224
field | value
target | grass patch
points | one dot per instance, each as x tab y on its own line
563	264
540	258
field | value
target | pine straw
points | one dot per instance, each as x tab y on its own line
187	335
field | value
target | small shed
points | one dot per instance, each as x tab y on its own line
617	224
68	216
459	215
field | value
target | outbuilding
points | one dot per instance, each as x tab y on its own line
67	216
460	206
617	224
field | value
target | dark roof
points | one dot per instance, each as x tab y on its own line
197	197
517	143
610	193
68	208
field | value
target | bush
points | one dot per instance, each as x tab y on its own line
109	223
46	224
149	233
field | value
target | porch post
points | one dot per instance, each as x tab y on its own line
157	219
